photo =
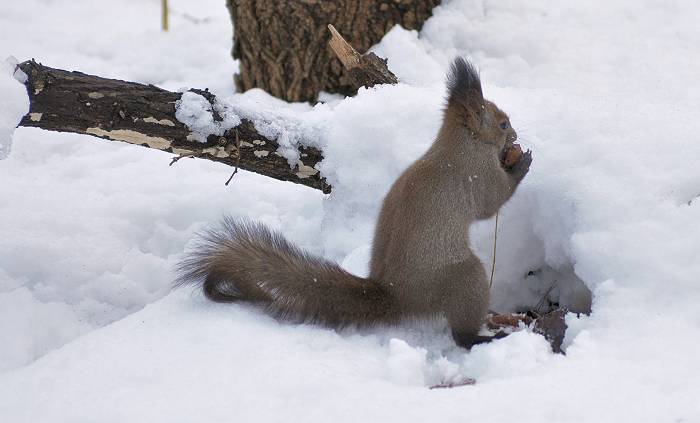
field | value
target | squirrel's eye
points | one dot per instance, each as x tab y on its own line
504	125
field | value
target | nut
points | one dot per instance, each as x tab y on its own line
511	155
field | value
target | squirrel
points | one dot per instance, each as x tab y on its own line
421	264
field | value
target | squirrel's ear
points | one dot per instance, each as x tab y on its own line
464	92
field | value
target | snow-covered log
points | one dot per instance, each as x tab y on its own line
145	115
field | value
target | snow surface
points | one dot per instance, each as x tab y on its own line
14	102
197	114
604	93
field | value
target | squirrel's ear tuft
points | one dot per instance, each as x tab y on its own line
464	90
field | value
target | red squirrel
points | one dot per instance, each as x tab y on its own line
421	264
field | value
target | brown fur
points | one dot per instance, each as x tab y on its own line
244	261
421	262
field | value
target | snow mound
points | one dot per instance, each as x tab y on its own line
197	113
14	103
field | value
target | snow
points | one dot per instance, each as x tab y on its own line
13	102
287	123
604	94
197	113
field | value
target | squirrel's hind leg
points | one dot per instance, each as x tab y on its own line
468	301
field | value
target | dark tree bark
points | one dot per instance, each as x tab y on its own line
145	115
282	46
553	327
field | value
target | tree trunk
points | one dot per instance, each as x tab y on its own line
282	46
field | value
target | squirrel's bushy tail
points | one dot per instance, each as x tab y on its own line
245	261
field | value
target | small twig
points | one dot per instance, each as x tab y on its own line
493	262
540	304
181	156
238	158
466	381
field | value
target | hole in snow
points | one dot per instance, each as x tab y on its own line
534	263
542	290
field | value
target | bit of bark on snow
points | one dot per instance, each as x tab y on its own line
366	70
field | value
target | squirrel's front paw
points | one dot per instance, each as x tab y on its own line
521	168
510	156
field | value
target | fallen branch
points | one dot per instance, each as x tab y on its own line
144	115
